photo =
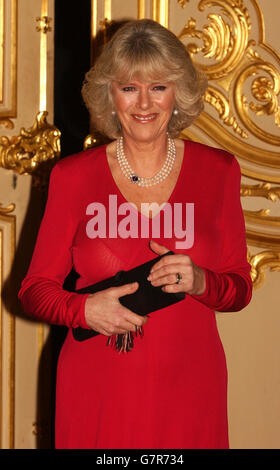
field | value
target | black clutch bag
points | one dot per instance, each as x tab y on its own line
145	300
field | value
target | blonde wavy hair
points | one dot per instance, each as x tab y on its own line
143	50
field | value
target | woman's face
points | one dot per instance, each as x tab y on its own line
144	109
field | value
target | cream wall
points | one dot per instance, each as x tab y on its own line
251	343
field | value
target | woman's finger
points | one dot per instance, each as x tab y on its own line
157	248
171	269
120	327
125	289
134	319
182	260
170	278
173	288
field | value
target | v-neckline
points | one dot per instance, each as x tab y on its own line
131	204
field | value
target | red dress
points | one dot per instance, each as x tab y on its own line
170	391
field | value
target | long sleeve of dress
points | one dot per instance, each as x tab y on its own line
41	293
230	289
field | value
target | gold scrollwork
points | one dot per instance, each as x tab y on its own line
264	89
90	141
217	99
260	263
261	190
231	61
262	239
261	216
44	24
7	123
24	153
7	210
94	140
224	42
247	152
183	2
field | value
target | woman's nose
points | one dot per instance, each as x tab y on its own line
144	99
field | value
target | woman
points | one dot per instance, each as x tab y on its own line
170	390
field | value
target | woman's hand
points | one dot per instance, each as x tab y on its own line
176	273
106	315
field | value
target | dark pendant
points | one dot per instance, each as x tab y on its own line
134	178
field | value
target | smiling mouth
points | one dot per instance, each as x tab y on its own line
145	118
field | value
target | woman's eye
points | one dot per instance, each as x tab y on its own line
159	88
128	88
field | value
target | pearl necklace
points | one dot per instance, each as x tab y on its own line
139	180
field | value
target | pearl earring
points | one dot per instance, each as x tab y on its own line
113	113
175	112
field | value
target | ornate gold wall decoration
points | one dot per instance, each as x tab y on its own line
244	89
6	210
261	190
260	263
220	40
43	24
7	123
24	153
232	56
266	90
92	141
183	3
220	102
